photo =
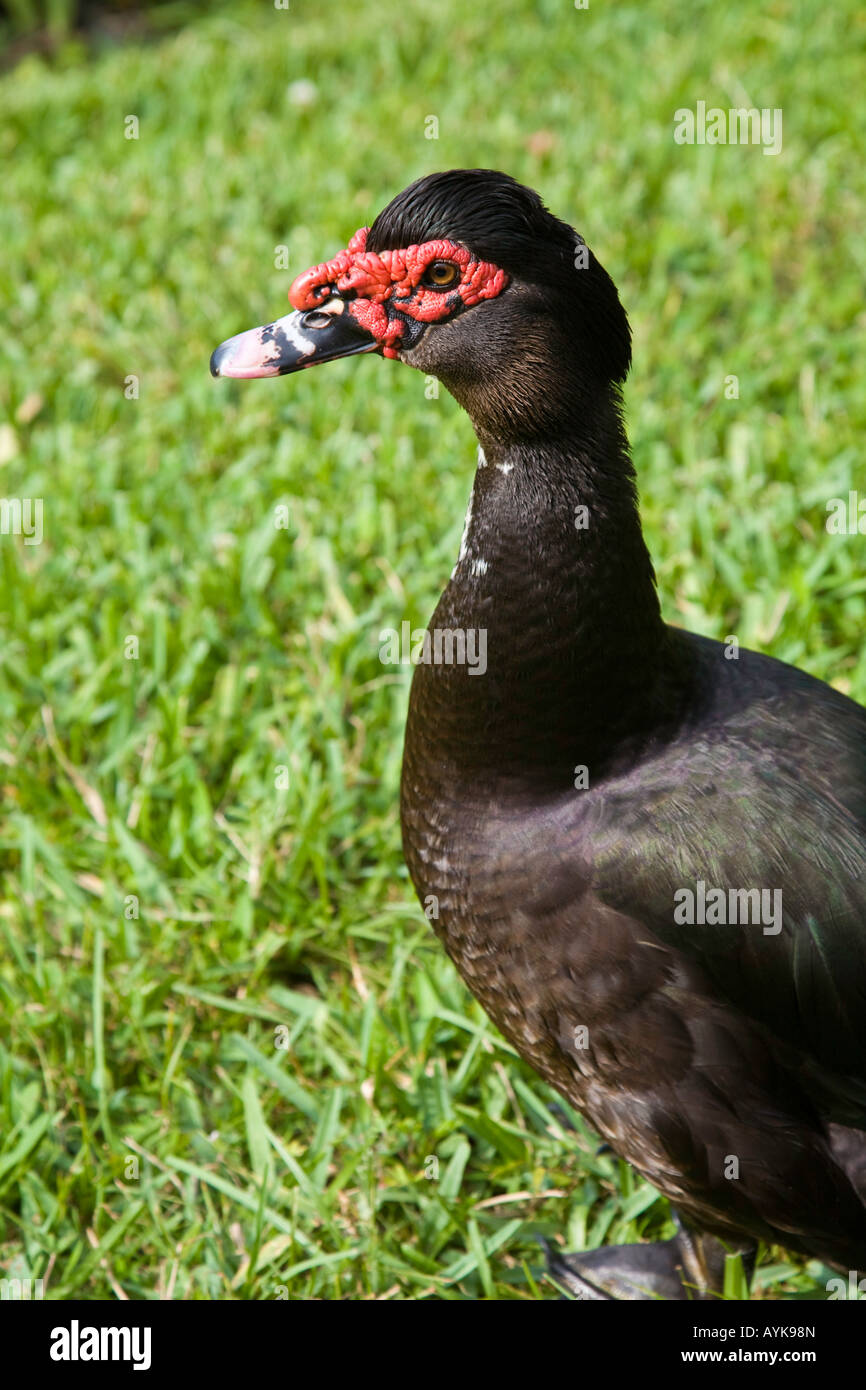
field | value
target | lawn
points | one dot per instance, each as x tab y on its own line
234	1062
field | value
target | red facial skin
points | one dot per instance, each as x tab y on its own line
395	276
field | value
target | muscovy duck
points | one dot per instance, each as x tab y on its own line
649	859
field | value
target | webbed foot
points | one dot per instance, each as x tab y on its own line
691	1266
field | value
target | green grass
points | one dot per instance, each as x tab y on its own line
229	1041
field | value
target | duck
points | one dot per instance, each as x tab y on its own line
647	851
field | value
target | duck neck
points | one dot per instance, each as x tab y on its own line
555	596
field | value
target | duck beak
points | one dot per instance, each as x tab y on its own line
299	340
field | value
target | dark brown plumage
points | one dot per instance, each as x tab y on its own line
557	805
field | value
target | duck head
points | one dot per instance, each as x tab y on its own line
467	277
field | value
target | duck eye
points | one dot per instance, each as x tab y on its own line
441	275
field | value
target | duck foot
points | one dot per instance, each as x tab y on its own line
621	1272
689	1267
